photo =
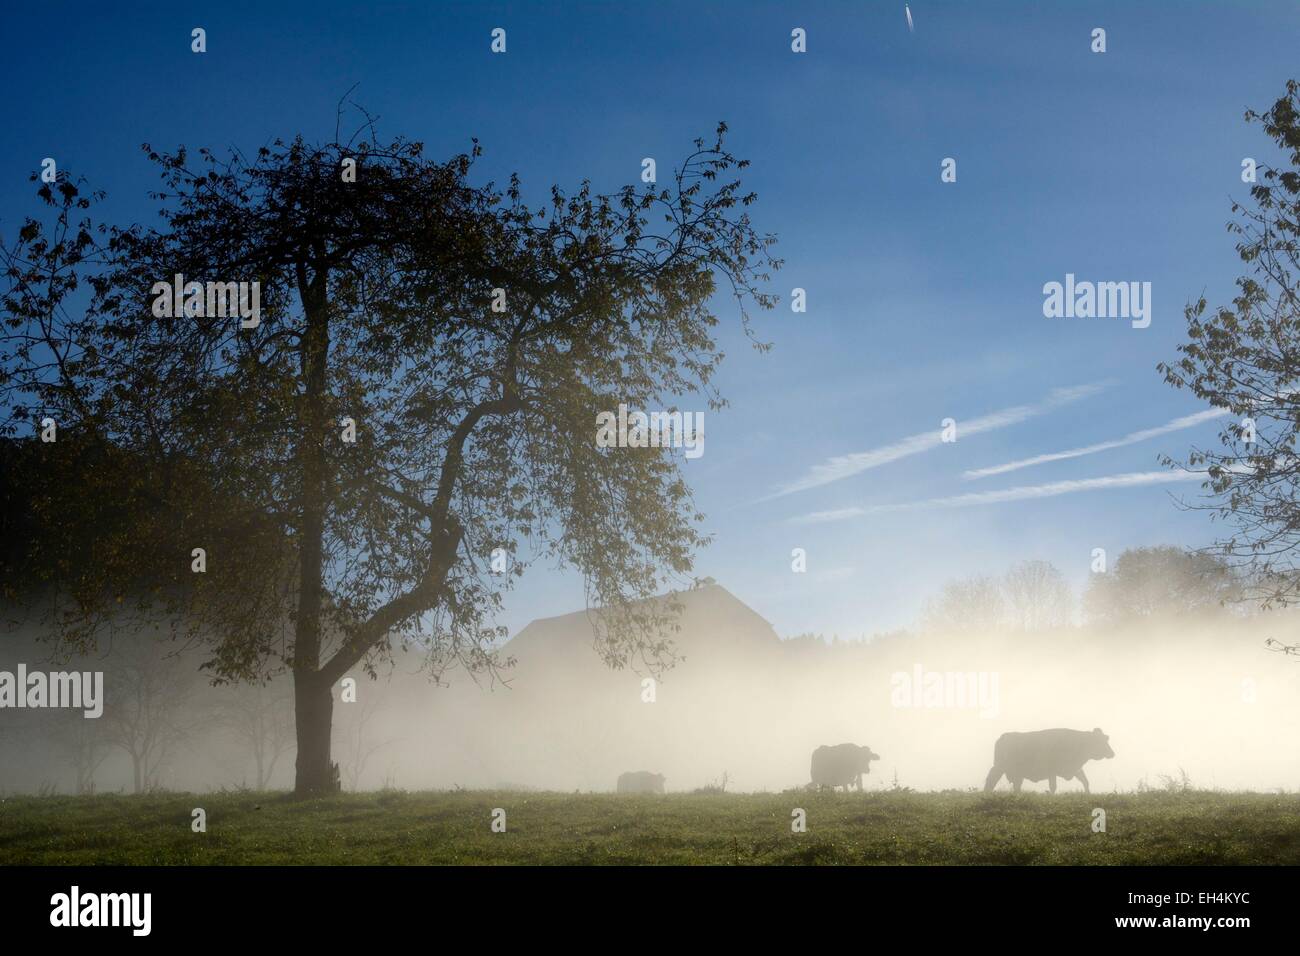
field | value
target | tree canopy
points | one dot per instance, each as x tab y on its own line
1245	357
1159	582
420	390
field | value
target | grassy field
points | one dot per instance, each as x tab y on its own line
395	827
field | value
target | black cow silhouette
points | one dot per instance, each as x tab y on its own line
841	766
1046	755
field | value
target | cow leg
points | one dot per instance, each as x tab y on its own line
1051	784
992	779
1083	780
1016	782
859	782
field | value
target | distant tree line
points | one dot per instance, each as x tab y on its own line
1142	583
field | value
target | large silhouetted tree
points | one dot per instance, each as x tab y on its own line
1245	357
466	339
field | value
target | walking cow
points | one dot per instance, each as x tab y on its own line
841	766
1046	755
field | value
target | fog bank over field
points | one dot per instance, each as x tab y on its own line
1204	697
1195	693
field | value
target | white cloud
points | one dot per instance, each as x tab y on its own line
1020	493
845	466
1132	438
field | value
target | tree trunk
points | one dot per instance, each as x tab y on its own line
313	703
313	712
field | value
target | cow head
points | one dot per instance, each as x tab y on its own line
866	756
1101	748
659	781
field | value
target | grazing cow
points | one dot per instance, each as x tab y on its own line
640	781
841	766
1046	755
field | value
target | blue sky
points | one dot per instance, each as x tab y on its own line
924	298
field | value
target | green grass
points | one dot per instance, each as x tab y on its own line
395	827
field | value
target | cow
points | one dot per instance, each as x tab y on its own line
640	781
841	766
1046	755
